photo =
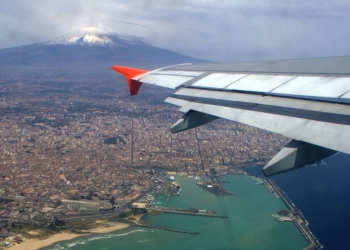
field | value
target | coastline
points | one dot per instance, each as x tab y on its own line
134	220
39	244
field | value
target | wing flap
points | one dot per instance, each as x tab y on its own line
168	81
330	135
274	104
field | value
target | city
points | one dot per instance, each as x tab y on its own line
85	139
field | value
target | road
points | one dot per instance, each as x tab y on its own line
109	214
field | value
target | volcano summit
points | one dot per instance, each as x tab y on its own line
100	50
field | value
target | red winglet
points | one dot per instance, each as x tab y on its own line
130	73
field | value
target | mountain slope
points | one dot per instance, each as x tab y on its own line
99	50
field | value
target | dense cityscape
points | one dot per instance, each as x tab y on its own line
68	137
88	161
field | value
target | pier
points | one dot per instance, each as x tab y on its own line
170	229
215	189
183	211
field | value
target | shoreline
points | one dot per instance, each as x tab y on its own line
40	244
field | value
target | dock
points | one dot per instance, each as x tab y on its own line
183	211
170	229
215	189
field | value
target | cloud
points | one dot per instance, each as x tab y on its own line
100	29
220	30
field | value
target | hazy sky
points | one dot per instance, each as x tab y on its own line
220	30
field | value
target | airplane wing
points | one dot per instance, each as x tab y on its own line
306	100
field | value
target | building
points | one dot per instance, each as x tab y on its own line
82	205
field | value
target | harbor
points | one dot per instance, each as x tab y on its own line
233	208
214	184
164	230
294	216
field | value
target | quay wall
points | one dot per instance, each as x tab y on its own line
183	212
170	229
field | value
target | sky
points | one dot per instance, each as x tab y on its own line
217	30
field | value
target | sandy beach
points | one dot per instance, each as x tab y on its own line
138	219
37	244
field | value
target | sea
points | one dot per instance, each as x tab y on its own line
319	191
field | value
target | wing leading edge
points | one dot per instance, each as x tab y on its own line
306	100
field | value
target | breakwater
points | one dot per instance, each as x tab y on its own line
170	229
299	220
183	211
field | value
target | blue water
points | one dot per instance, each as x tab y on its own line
321	193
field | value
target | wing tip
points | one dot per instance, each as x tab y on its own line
130	73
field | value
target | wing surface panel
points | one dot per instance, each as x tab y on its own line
315	86
177	73
309	86
169	81
218	80
260	83
335	66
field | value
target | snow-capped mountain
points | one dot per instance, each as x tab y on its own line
88	39
94	39
92	49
